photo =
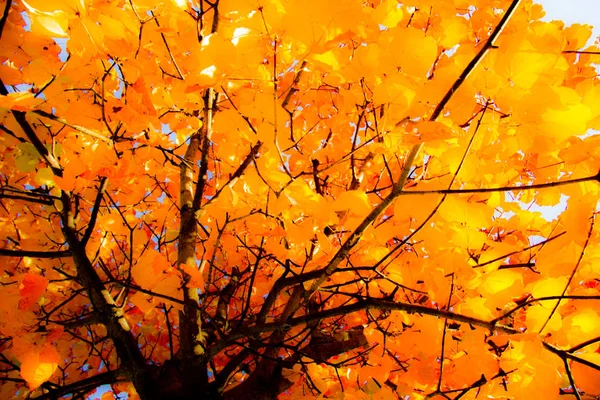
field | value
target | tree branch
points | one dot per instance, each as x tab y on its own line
109	314
190	318
46	202
286	320
78	128
580	52
206	134
504	188
5	16
489	44
378	304
35	254
581	255
90	228
504	256
87	384
239	171
78	321
564	354
369	219
361	305
546	298
31	135
188	230
320	349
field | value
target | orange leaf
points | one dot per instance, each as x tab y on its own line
196	278
353	200
30	290
20	101
587	378
140	87
38	366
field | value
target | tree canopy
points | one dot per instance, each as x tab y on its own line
358	199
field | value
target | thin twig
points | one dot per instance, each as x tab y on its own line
5	16
489	44
506	188
35	254
585	245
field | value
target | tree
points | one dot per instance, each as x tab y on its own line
292	199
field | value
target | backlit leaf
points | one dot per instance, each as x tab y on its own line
37	366
587	378
20	101
203	194
31	289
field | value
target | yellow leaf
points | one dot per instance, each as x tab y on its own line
196	278
328	58
301	196
561	124
577	35
395	90
181	3
454	31
45	176
20	101
27	158
388	13
524	63
587	378
582	325
476	307
53	23
38	366
413	51
111	27
537	315
460	210
504	283
548	287
354	200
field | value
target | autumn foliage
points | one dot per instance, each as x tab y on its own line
259	199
